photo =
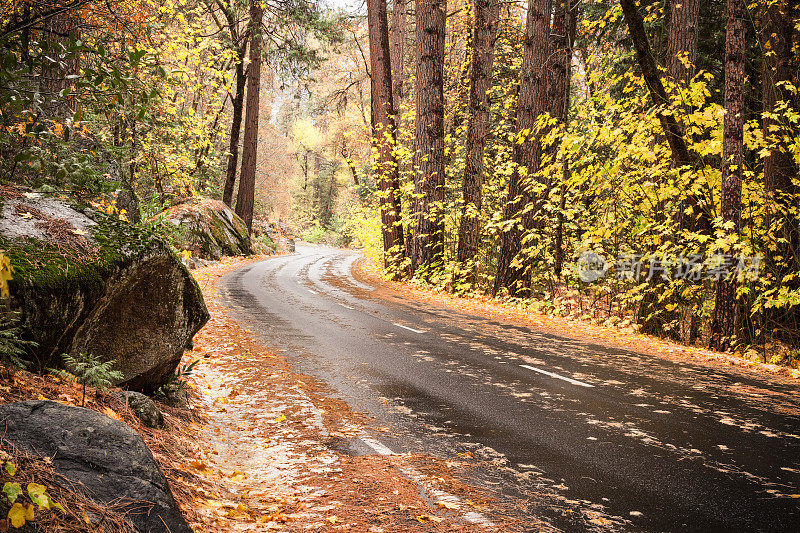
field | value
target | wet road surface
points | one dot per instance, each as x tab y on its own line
582	436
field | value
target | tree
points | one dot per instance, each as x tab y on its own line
397	43
513	271
239	44
724	324
652	77
247	180
778	34
383	132
484	33
562	40
429	157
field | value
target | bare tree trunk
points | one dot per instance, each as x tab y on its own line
652	77
429	157
511	275
236	128
562	70
245	199
397	41
778	33
485	31
383	131
724	325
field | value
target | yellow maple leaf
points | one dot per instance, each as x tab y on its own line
5	275
281	418
18	514
109	412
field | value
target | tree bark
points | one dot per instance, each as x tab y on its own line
560	97
484	33
778	33
383	131
236	128
724	324
652	77
245	199
513	275
429	157
397	40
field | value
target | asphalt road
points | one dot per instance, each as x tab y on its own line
582	436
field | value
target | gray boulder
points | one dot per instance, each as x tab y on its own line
144	408
101	457
86	282
207	228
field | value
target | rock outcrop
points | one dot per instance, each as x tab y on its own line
144	408
86	282
101	457
207	228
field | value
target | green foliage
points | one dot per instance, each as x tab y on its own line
90	370
13	349
175	386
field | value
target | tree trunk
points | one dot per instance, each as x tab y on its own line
682	41
562	62
724	324
383	131
245	199
779	166
236	127
485	31
397	40
429	157
513	275
652	77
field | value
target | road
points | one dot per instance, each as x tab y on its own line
576	433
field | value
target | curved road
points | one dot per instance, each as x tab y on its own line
581	436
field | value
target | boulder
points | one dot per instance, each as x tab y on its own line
144	408
86	282
207	228
100	457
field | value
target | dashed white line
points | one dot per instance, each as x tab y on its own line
379	448
408	328
312	292
557	376
345	306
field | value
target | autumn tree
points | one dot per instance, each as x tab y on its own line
383	126
486	20
513	270
429	157
724	324
247	180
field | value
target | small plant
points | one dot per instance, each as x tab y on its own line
12	347
176	383
22	502
89	370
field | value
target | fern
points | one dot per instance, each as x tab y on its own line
12	347
91	371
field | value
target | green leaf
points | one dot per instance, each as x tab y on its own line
12	491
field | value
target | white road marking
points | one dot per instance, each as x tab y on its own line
312	292
346	306
554	375
408	328
379	448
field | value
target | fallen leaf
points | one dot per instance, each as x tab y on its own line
448	505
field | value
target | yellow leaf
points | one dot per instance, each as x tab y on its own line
448	505
239	512
29	513
79	232
280	418
27	215
5	275
109	412
17	515
332	519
